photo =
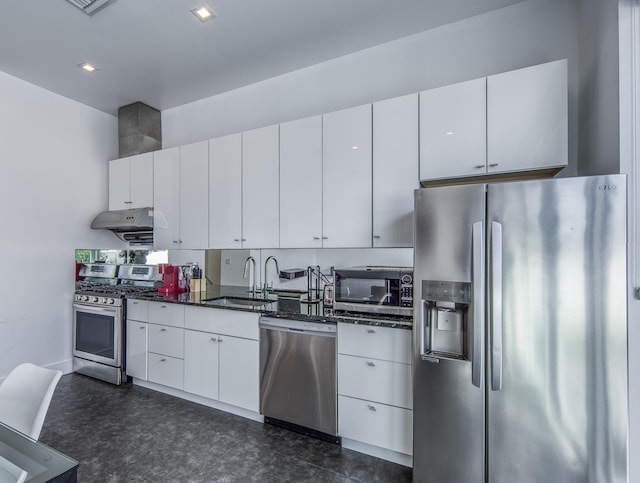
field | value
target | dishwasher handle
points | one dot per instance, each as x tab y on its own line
298	326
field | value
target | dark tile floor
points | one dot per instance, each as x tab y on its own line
131	434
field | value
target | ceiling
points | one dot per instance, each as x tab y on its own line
159	53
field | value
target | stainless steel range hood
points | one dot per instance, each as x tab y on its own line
134	226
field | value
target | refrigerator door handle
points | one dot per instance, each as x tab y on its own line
496	306
478	278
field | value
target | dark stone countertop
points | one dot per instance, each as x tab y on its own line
288	306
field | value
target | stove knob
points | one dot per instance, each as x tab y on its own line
85	298
78	297
103	300
94	299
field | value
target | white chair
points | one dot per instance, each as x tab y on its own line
25	396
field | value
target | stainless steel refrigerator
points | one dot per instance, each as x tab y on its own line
520	332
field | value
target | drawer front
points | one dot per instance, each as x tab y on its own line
138	310
381	343
225	322
376	424
375	380
166	314
165	340
166	370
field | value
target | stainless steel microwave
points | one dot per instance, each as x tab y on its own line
378	290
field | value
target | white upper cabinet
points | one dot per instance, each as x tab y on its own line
260	188
346	178
225	191
527	118
131	182
395	170
166	210
301	183
194	195
181	190
453	131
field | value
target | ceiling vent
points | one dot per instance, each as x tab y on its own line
90	6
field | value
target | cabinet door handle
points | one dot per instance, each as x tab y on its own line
163	330
220	339
175	241
479	166
243	239
493	165
371	364
179	241
316	238
213	339
128	202
325	237
371	331
141	327
134	303
371	408
377	237
163	360
236	239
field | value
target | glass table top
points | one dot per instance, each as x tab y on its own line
25	459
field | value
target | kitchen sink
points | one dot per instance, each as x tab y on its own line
238	301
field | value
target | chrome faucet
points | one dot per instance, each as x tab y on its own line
253	273
265	286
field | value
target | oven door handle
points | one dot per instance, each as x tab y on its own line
90	308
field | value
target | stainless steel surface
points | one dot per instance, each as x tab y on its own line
265	285
561	414
374	309
556	300
113	375
134	226
495	316
298	374
239	301
448	409
478	287
250	261
139	129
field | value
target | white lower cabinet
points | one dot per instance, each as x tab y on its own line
377	424
201	363
374	386
137	347
166	353
222	356
239	372
137	339
166	370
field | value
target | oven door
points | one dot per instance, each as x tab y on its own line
97	333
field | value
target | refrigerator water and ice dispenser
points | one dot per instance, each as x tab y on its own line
446	319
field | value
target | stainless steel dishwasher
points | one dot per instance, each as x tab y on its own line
298	381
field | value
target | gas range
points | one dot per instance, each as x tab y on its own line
105	284
101	294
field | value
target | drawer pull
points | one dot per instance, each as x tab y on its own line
220	339
141	327
163	306
164	360
213	339
134	303
163	330
371	408
371	331
371	364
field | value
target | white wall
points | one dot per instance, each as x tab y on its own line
53	181
598	116
524	34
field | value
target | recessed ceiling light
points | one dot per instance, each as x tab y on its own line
86	66
203	13
354	147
